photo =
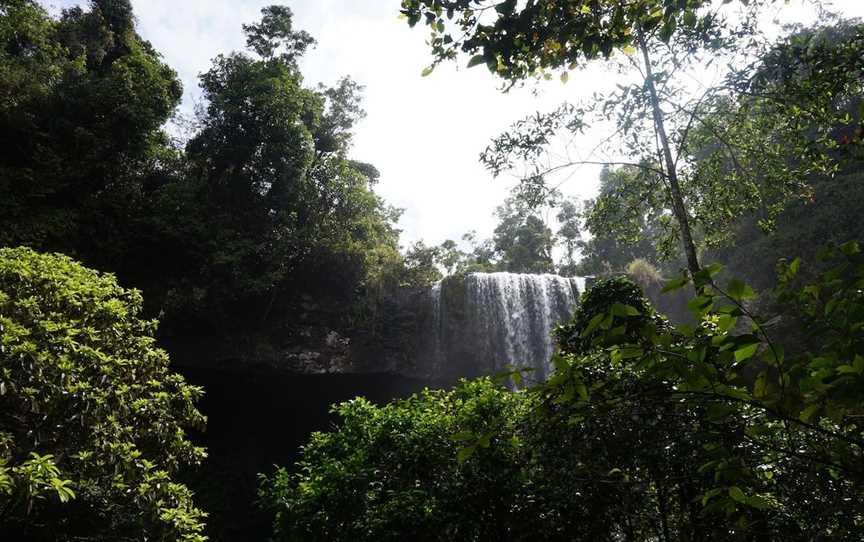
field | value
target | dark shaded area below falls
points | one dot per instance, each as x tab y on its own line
260	419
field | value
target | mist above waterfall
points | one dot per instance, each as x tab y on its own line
484	322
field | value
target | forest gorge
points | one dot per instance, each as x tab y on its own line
680	358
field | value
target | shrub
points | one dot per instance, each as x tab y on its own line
440	465
91	418
605	301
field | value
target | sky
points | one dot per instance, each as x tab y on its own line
424	134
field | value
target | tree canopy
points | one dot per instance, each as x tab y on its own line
83	102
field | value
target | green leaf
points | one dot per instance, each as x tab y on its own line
794	267
668	29
736	494
629	353
462	436
593	324
700	304
726	322
427	70
690	18
858	364
757	502
582	391
506	7
760	387
476	60
620	309
675	284
565	76
739	291
746	352
808	413
465	454
706	274
850	248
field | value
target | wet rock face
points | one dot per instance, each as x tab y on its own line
302	350
332	356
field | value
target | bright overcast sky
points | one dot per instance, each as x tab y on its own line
424	134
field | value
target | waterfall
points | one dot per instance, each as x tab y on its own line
486	321
437	352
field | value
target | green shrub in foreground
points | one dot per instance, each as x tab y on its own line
91	418
403	472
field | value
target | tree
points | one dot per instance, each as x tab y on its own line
645	431
640	231
569	234
522	239
274	33
753	405
272	204
92	421
826	213
83	102
421	266
659	119
548	35
481	257
262	206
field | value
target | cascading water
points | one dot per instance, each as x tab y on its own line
487	321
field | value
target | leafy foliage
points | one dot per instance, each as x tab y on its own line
531	40
778	438
92	422
516	41
439	465
523	240
569	235
271	195
605	302
641	230
83	100
694	163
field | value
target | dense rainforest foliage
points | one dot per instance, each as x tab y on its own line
743	422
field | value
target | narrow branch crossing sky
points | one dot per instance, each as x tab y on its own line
423	133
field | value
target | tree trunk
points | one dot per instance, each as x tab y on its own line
678	207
